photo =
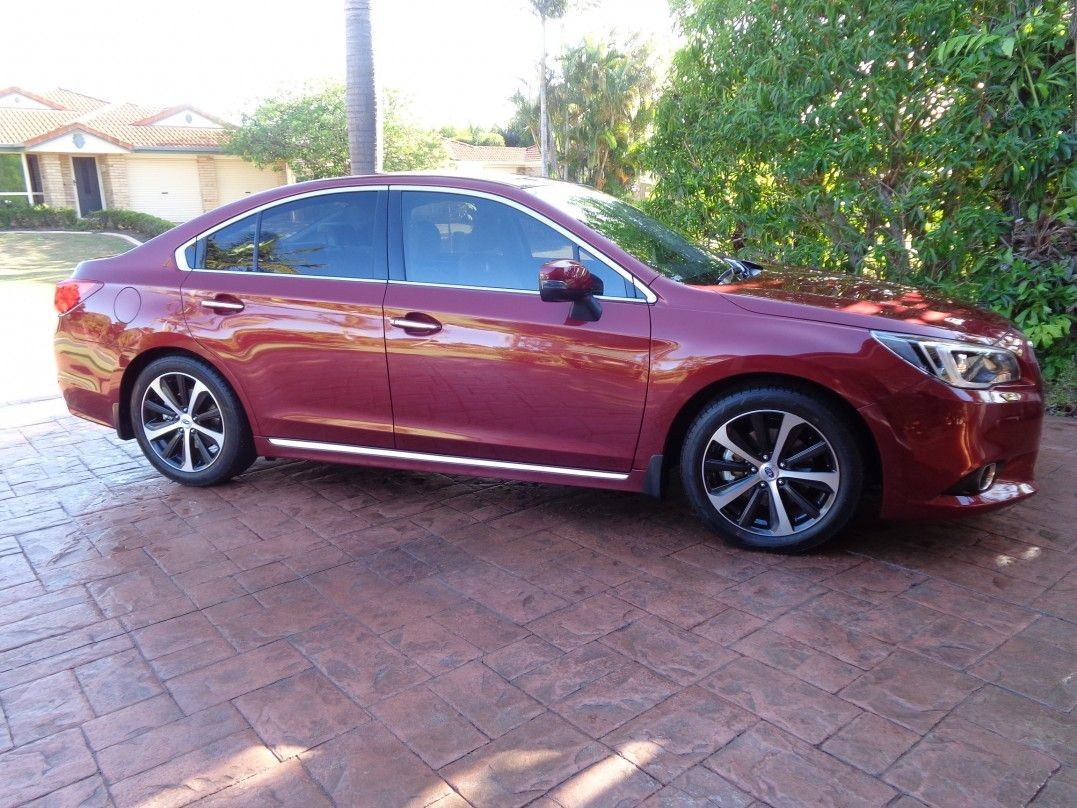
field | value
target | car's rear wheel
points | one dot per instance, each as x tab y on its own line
772	469
189	423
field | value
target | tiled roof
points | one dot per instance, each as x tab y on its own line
491	154
128	125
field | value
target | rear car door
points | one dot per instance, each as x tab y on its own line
492	371
289	298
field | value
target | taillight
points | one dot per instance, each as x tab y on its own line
71	292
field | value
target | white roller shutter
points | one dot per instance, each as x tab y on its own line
238	178
165	186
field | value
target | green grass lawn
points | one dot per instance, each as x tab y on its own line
30	264
50	257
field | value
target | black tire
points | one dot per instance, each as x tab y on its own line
199	459
750	419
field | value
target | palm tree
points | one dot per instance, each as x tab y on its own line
364	114
546	10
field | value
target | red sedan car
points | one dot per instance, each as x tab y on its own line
542	331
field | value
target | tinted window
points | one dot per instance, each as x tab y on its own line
462	240
656	245
232	248
328	236
331	235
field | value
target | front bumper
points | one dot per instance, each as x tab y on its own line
931	436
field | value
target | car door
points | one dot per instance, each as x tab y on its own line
479	365
289	299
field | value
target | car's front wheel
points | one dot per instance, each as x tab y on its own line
773	469
189	423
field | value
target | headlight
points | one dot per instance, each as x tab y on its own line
960	364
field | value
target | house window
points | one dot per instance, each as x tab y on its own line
13	176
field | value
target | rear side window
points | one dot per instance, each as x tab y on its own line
232	248
329	236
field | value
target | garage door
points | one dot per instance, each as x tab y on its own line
238	178
166	187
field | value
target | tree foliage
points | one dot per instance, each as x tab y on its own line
915	140
309	132
601	103
475	135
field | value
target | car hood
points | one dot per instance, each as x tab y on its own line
809	294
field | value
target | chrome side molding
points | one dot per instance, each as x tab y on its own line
452	460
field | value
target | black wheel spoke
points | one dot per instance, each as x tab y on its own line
200	446
802	502
153	406
747	516
173	442
736	466
759	432
805	455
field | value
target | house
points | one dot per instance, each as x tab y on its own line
469	159
66	149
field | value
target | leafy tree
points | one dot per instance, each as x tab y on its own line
309	132
926	140
600	107
475	135
519	131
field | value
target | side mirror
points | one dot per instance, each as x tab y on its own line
570	281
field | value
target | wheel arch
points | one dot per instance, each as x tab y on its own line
140	362
682	421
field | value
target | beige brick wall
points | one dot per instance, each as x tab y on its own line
114	181
67	174
52	181
207	181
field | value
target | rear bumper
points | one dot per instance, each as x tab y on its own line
87	375
932	436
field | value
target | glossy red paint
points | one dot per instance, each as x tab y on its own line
502	376
571	274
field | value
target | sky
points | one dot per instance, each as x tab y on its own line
457	62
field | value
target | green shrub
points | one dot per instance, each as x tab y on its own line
930	142
129	221
39	217
42	217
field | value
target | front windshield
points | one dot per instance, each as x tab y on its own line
664	250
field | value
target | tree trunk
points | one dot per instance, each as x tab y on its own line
364	114
544	141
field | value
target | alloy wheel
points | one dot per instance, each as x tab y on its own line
770	472
182	422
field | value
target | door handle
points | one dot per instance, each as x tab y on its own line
222	305
410	324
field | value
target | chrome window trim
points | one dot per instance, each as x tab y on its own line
382	281
474	462
180	253
532	292
639	286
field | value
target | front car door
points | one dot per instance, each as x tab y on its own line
289	298
491	371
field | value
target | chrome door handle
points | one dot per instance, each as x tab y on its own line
221	305
413	325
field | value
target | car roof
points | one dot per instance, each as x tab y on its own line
519	181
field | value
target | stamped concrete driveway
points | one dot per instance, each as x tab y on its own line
316	635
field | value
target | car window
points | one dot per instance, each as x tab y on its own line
329	235
462	240
232	248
